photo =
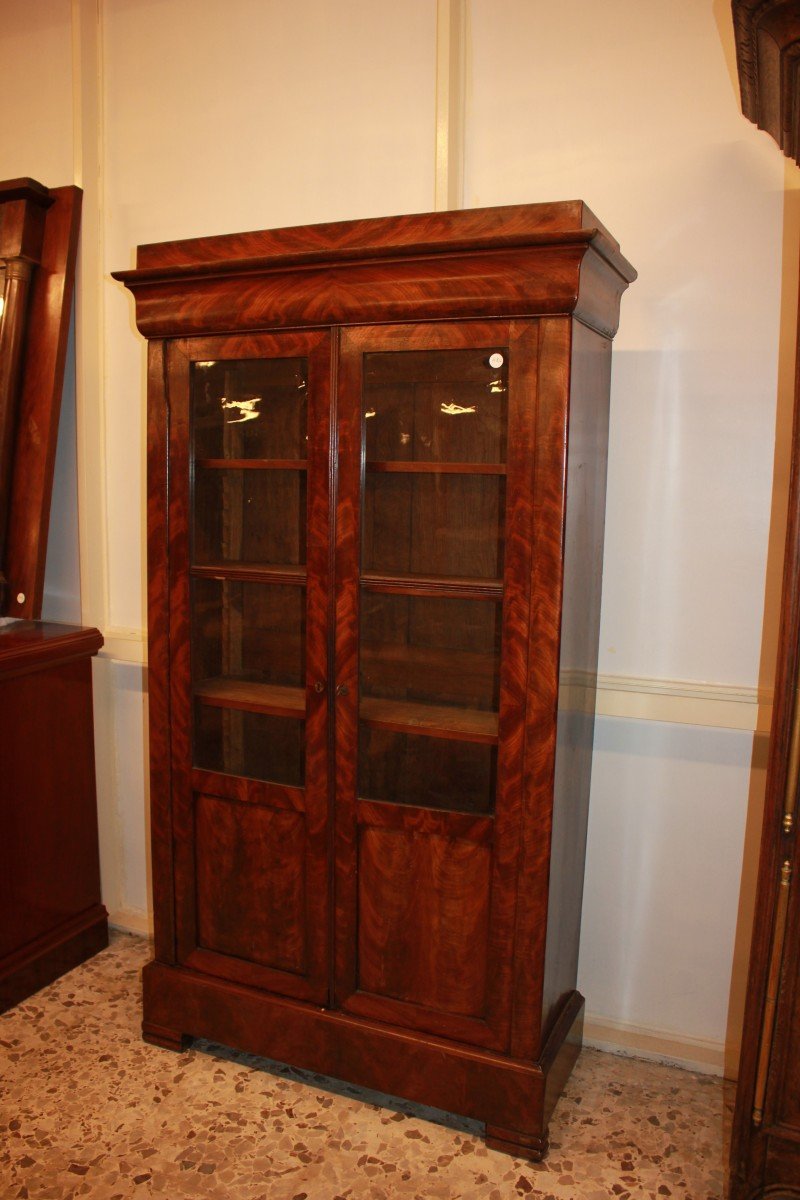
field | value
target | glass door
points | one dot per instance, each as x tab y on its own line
432	621
249	428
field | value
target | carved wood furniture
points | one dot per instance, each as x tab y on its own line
765	1158
51	917
377	458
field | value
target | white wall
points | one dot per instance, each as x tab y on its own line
633	106
206	118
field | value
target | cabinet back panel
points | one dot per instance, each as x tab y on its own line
423	911
434	524
248	630
457	776
440	651
249	863
252	745
248	516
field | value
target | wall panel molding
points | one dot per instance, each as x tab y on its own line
684	702
628	697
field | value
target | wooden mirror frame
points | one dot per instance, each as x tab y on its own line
38	248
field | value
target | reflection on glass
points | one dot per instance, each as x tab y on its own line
433	521
436	406
249	450
249	408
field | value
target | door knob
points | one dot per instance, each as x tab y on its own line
342	690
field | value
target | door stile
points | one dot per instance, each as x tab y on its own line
348	522
318	797
332	432
158	653
177	374
523	342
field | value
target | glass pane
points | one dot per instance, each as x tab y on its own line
436	405
250	516
253	745
434	524
249	408
431	650
248	631
432	772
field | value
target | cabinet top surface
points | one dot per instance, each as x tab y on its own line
23	642
554	223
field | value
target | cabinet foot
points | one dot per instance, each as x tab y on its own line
168	1039
521	1145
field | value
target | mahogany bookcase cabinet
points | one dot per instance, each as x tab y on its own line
377	464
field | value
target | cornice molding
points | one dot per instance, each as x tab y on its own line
767	34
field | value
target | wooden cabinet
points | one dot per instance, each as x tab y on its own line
765	1152
51	916
376	494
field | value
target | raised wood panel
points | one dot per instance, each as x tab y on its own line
423	916
249	870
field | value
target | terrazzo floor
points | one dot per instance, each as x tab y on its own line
89	1110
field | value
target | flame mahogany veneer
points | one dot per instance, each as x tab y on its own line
423	946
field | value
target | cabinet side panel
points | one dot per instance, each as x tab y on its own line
550	402
49	864
587	454
250	882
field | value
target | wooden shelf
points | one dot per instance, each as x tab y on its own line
251	696
457	587
252	464
405	666
404	716
436	468
251	573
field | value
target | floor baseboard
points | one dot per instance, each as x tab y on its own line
131	920
680	1050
